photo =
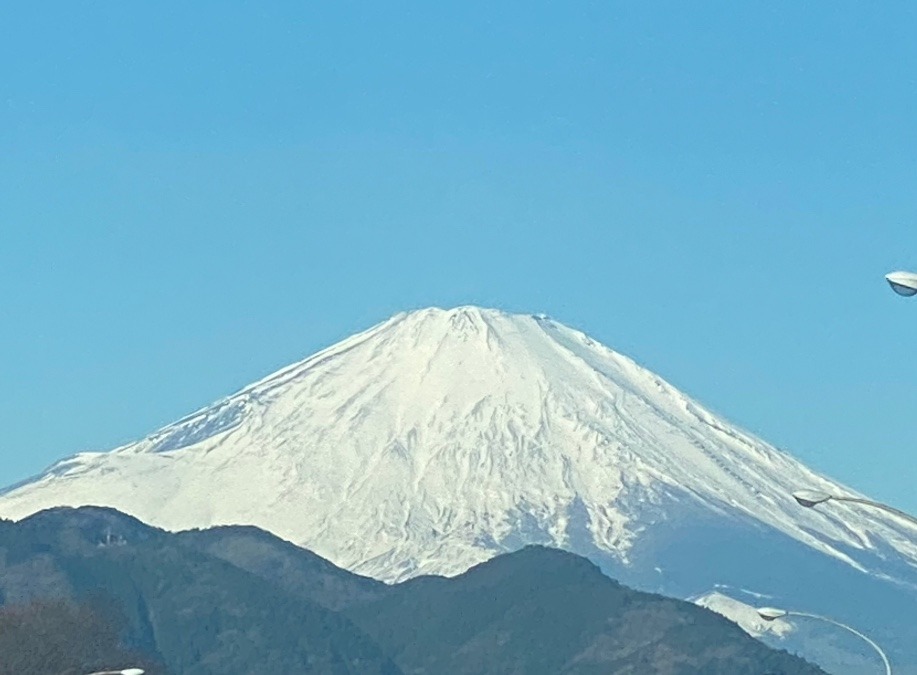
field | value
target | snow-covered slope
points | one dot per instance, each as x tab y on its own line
744	614
424	443
439	438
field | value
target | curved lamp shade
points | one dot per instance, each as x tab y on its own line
810	498
902	283
771	613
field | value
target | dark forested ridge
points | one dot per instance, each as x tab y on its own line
542	610
237	600
197	613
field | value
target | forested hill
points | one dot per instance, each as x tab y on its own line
239	601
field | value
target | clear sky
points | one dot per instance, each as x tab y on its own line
195	194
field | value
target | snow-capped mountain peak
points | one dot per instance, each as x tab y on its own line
439	438
458	428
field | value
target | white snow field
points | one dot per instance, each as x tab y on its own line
440	438
744	614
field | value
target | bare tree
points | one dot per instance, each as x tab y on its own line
63	638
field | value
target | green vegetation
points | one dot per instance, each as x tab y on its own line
543	611
239	601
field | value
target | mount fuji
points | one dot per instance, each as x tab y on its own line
440	438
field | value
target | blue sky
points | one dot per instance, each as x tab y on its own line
191	197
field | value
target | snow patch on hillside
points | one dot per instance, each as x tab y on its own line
745	615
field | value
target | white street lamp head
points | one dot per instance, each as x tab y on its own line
771	613
903	283
810	498
132	671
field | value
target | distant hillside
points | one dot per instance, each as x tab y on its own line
198	613
239	601
285	565
544	611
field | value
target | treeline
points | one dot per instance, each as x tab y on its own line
61	637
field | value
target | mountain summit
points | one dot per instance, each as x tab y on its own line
440	438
